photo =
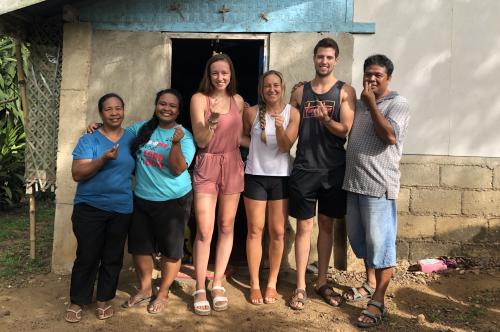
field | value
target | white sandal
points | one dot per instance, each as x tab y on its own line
78	315
101	313
221	298
198	305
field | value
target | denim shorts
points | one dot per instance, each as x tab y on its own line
372	227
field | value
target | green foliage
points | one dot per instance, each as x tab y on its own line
12	135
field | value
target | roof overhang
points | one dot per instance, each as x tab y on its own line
7	6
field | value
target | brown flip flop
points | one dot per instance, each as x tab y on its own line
256	297
271	293
295	300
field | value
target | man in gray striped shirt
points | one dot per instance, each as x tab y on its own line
372	181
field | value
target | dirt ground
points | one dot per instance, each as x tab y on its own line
458	300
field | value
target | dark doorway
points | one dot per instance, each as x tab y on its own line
189	57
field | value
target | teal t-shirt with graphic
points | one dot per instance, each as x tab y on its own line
154	181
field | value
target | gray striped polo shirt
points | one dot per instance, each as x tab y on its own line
372	166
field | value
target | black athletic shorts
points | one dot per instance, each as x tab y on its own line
158	227
325	187
266	188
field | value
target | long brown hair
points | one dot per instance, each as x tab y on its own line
206	86
262	103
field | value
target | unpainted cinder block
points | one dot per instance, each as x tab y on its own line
421	250
471	177
482	251
402	250
481	203
403	202
416	227
419	175
494	230
64	246
496	178
435	201
461	229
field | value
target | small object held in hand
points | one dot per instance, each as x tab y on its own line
212	121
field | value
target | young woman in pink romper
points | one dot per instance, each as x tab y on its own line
216	116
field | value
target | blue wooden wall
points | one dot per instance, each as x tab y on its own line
204	16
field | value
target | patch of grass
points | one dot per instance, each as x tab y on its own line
467	315
434	316
15	245
472	315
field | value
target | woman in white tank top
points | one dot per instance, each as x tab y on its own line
272	126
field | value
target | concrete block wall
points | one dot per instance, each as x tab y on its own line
449	206
96	62
77	41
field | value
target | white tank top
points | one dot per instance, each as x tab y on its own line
267	159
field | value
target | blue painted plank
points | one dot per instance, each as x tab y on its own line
243	16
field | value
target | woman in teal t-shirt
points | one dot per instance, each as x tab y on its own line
162	197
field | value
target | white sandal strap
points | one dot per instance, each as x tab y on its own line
199	291
219	288
104	309
76	312
220	299
202	303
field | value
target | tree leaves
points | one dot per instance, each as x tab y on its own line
12	135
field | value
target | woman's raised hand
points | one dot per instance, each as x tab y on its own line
178	134
214	113
111	153
278	120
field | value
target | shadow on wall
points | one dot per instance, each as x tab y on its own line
446	66
478	242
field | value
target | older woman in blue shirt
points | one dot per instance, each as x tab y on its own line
102	166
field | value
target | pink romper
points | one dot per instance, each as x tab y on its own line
218	167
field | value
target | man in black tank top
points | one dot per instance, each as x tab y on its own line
326	114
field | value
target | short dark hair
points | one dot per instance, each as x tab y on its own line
379	60
327	42
100	103
206	85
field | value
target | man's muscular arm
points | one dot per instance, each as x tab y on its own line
296	97
347	107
